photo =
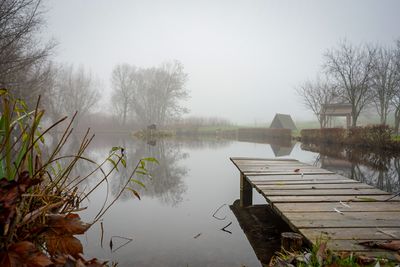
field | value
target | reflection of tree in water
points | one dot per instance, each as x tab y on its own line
198	142
167	181
378	169
386	180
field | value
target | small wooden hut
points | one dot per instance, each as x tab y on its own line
283	121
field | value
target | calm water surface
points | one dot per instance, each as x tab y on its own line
172	224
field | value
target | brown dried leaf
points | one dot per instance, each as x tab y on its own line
70	224
67	260
365	260
67	244
388	244
10	193
23	254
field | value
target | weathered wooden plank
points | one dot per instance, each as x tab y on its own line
347	198
344	223
371	233
325	192
286	172
306	182
301	168
259	159
349	216
353	206
331	186
268	170
271	163
296	177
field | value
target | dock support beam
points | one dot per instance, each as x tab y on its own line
246	192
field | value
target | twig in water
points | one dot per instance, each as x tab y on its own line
218	218
226	226
102	234
128	240
196	236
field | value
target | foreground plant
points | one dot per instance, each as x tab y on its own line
39	200
320	256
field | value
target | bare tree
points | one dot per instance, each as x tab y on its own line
386	79
74	90
171	81
21	52
315	95
158	92
395	101
123	84
351	69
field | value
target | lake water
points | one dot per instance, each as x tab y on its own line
173	223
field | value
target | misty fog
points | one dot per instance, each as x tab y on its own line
253	53
120	121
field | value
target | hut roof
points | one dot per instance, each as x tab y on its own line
283	121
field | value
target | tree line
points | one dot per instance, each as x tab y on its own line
363	76
148	95
142	95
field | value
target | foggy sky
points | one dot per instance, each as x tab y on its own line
243	58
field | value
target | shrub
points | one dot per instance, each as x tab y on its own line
371	136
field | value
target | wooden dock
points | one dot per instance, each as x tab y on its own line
320	204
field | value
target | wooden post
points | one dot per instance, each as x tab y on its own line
246	192
291	241
348	121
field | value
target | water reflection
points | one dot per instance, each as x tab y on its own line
166	182
195	177
282	150
376	168
167	178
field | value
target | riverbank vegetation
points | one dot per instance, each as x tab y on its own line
365	76
41	196
378	137
319	255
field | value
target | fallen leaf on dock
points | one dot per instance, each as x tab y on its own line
388	244
296	170
338	211
344	204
